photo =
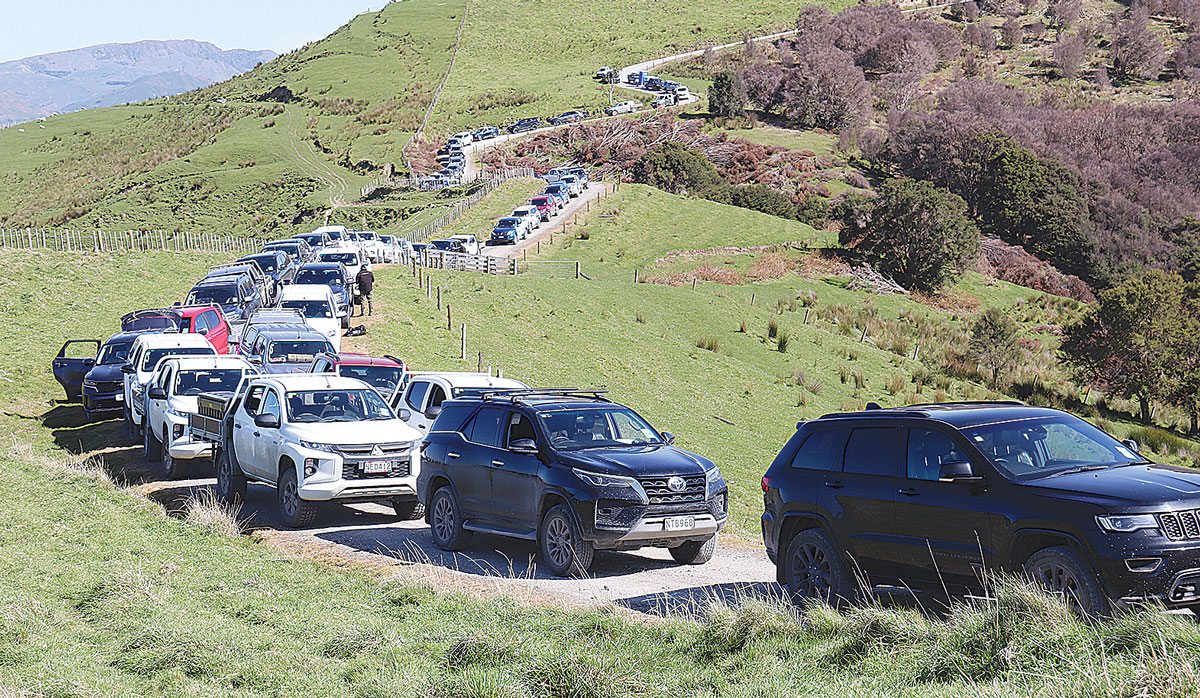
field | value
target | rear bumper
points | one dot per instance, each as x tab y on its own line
184	449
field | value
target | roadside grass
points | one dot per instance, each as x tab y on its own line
792	139
498	203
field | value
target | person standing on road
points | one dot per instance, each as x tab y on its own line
366	283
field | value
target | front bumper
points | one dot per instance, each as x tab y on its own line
1146	567
359	489
615	524
95	401
343	477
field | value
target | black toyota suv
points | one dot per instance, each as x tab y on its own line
570	469
935	495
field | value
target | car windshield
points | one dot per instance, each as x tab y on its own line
385	378
336	406
283	246
570	430
311	309
218	295
328	277
114	353
266	262
310	239
151	322
214	380
1033	448
368	236
296	351
447	244
509	222
350	259
541	201
153	356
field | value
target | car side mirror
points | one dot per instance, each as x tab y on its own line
203	332
523	446
669	438
404	415
433	412
266	421
126	368
157	393
957	471
1133	445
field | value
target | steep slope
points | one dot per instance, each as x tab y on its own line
101	75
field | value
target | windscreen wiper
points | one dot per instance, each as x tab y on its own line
1082	469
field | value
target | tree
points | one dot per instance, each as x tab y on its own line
674	168
1063	14
727	96
824	89
1011	32
1068	56
1128	343
993	343
914	232
1136	52
971	11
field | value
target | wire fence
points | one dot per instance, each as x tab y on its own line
463	205
485	264
65	240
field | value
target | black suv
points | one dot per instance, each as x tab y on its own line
934	495
570	469
529	123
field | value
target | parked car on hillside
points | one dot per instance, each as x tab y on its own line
546	205
455	246
393	249
637	78
561	192
662	101
572	470
352	258
277	265
260	281
203	319
469	242
314	439
316	240
529	123
931	496
279	348
510	230
465	137
337	278
103	383
653	83
420	402
384	373
532	216
236	296
485	133
74	359
336	233
144	356
574	185
580	172
627	107
604	72
171	397
298	250
319	307
567	117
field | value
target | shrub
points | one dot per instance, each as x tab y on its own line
781	343
772	328
709	343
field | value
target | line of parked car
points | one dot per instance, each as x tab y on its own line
562	185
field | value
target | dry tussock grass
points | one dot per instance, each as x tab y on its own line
769	266
205	510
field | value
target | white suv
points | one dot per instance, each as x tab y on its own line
420	402
145	354
319	307
171	397
627	107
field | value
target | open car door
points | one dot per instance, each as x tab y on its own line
74	360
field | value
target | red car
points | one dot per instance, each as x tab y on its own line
546	205
207	320
384	373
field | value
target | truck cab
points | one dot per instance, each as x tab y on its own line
469	242
319	307
420	402
313	439
283	348
171	397
148	350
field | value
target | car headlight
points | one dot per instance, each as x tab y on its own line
615	481
318	447
177	413
1126	523
712	475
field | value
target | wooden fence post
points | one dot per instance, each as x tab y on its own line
463	343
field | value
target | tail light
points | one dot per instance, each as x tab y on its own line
766	484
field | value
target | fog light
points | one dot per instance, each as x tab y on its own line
310	467
177	430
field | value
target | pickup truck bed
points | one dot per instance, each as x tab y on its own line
207	422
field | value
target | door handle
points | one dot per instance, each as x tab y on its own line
452	454
257	434
498	463
835	484
237	426
909	492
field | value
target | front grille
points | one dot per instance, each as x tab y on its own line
1180	525
106	386
660	494
365	450
351	470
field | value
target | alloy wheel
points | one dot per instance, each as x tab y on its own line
290	505
443	519
559	542
1057	579
812	572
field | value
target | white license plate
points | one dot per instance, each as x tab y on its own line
376	466
679	523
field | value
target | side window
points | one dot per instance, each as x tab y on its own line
260	346
210	317
927	450
822	450
436	395
520	427
137	357
416	394
270	404
254	399
201	323
487	426
874	451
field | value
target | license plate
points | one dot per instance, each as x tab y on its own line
679	523
376	466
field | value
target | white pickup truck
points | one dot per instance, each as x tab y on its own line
314	438
171	398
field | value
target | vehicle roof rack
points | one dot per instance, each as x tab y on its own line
517	394
922	409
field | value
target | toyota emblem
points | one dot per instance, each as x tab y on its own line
676	484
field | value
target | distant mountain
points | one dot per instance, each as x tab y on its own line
108	74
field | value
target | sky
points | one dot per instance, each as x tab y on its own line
32	27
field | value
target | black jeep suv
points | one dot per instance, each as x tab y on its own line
570	469
934	495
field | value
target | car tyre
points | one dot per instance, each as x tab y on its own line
231	482
814	570
407	509
1063	570
445	520
151	446
295	512
563	549
170	466
695	552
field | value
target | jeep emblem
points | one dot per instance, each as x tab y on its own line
676	484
